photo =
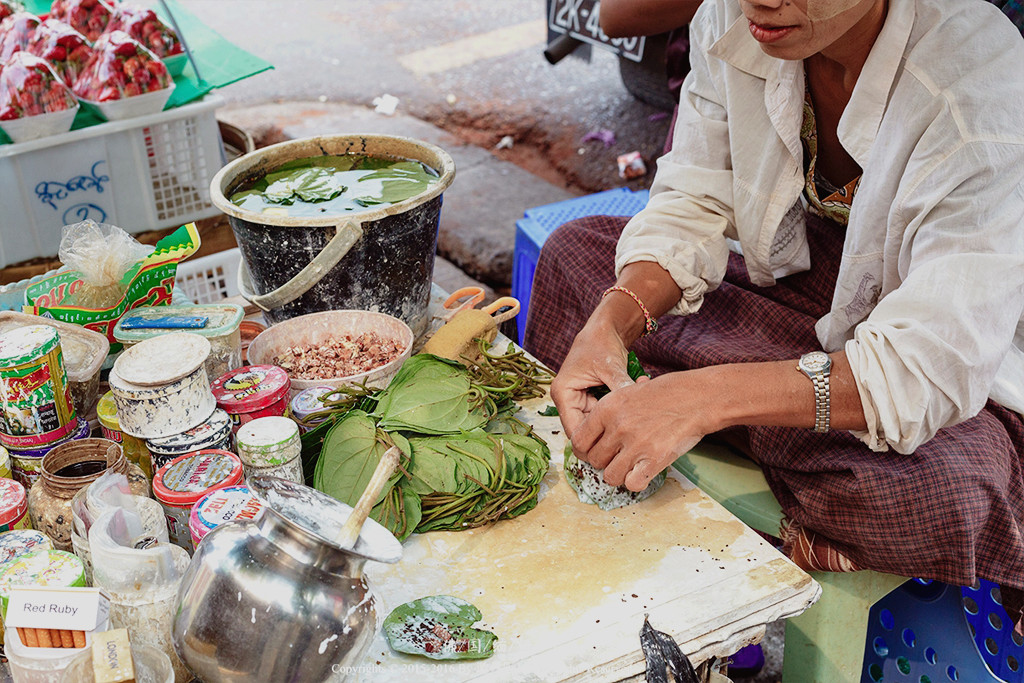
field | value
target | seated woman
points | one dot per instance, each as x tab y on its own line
838	234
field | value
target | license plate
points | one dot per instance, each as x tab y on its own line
579	19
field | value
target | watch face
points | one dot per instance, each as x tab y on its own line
816	361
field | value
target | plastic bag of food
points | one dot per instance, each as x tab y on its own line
120	67
63	47
142	24
88	17
16	32
9	7
103	254
29	87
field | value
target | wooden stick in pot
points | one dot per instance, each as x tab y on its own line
349	533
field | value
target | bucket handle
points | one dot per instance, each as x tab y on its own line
343	240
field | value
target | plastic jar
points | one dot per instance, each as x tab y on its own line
26	465
134	448
214	434
221	506
221	329
41	568
68	468
271	446
13	506
252	392
179	484
160	386
307	403
40	664
36	400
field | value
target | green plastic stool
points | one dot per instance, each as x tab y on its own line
825	644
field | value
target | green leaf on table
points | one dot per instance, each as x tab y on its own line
430	395
438	627
549	411
351	451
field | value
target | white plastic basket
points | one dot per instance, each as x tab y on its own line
209	279
145	173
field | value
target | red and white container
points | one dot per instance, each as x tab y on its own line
179	484
13	506
251	392
229	504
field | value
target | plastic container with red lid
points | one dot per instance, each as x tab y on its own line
13	506
251	392
183	481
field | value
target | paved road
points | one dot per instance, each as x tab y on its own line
473	68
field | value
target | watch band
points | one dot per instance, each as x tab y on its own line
822	402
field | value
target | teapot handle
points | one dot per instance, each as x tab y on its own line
349	533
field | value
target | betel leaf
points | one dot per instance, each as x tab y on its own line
633	369
589	485
438	627
308	184
430	395
350	453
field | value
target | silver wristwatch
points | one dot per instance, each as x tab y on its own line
817	365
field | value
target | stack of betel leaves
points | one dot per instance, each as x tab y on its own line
467	461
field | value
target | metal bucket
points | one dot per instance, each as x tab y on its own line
380	259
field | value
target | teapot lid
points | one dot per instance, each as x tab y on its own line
320	515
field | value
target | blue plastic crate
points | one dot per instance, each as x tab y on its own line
537	223
921	633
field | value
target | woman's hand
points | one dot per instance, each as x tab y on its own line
639	429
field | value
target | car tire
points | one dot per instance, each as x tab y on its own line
646	80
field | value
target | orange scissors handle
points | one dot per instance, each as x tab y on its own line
461	299
506	302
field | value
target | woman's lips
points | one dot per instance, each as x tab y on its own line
769	34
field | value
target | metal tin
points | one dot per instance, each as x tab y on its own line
214	434
41	568
21	541
229	504
26	465
306	403
186	479
222	329
13	506
36	400
5	464
271	446
252	392
110	427
160	386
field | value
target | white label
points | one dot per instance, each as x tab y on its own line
73	609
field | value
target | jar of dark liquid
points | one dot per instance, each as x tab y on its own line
67	469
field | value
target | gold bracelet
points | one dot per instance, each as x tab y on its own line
650	324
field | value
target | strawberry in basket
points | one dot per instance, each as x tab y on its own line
29	87
9	7
16	32
63	47
88	17
120	67
143	25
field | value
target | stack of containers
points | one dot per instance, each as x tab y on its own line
180	484
252	392
271	446
134	448
37	410
14	544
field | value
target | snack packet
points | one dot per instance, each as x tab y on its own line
88	17
29	87
120	67
102	254
15	33
63	47
144	25
9	7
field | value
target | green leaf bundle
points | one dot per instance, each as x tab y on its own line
438	627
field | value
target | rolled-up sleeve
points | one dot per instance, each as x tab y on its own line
684	225
927	355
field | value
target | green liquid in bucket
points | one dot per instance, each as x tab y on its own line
334	185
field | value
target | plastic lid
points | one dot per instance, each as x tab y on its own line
223	319
251	388
185	479
106	411
205	436
162	360
18	542
42	568
307	401
27	343
13	501
223	505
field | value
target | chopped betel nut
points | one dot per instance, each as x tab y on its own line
339	357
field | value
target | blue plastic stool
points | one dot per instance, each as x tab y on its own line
1000	647
537	223
921	633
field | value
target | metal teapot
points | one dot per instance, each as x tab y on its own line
280	598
